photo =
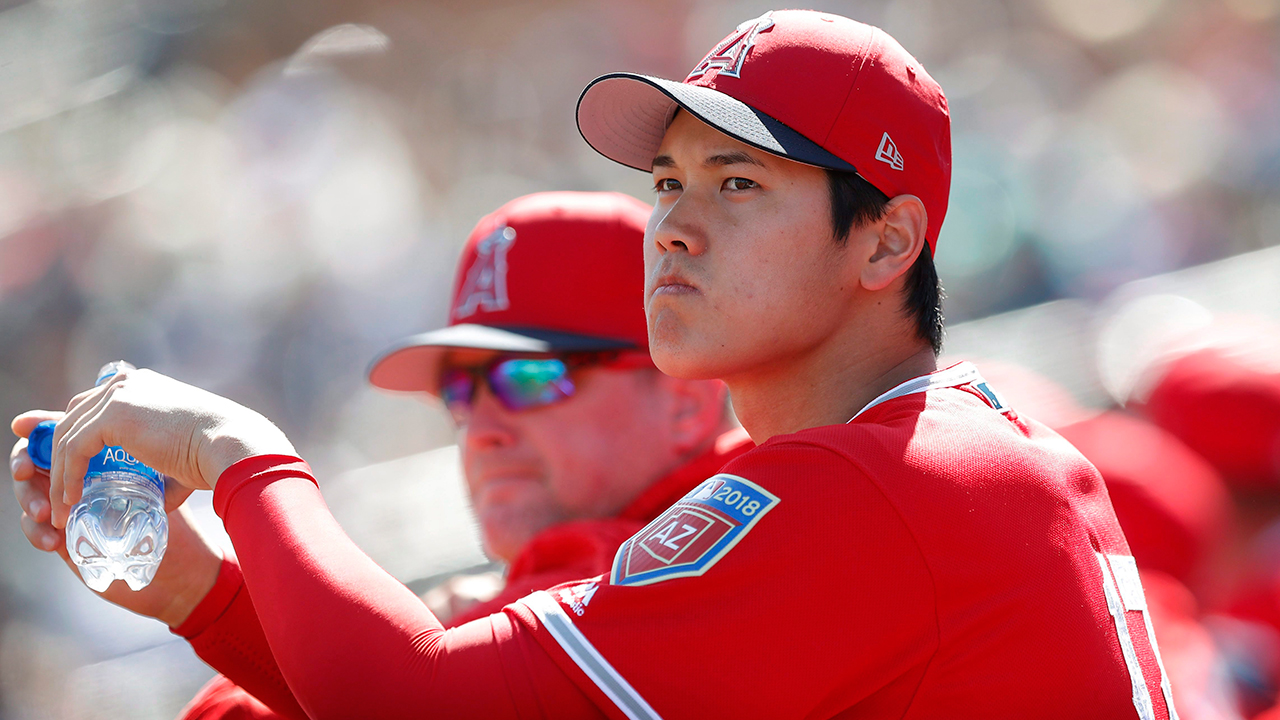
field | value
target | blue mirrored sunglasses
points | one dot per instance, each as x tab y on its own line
522	383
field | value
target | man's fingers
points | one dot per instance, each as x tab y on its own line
23	424
42	536
66	462
20	465
30	484
76	441
33	497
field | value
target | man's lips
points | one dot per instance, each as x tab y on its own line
674	284
503	489
675	289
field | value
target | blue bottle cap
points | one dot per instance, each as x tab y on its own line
40	444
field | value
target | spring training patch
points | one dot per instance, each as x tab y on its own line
693	534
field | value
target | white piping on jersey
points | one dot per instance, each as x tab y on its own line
571	639
960	374
1115	605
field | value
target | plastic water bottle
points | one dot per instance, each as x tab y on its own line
119	529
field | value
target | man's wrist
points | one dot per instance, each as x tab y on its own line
191	567
214	603
186	600
228	446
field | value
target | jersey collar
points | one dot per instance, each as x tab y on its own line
961	373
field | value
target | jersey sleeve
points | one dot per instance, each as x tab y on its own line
349	639
224	632
221	699
786	586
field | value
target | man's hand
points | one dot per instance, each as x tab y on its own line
189	435
190	564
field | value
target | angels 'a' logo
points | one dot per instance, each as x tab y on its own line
731	53
486	285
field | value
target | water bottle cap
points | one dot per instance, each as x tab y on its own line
110	369
40	444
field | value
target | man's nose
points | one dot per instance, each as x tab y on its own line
682	227
489	425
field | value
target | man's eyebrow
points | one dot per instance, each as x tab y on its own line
736	157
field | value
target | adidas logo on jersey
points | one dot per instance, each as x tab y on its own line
888	153
731	53
486	285
579	597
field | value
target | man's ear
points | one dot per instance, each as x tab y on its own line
698	411
901	238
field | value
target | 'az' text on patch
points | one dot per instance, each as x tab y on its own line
693	534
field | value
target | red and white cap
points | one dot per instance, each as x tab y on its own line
551	272
808	86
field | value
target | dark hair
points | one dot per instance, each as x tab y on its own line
856	202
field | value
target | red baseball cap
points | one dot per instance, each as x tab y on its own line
808	86
1225	409
551	272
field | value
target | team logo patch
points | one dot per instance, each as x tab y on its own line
731	53
486	285
693	534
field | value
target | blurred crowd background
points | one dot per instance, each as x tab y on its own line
257	196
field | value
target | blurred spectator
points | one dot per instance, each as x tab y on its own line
1225	409
1214	383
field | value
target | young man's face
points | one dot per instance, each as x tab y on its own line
742	269
585	456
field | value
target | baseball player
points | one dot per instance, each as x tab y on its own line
900	543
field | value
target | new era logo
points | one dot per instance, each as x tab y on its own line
888	153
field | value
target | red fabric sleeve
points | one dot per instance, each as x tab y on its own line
224	631
351	640
222	699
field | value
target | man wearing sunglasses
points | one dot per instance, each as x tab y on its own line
570	438
900	544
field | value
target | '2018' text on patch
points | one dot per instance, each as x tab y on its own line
693	534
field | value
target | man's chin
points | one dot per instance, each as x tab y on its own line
505	533
502	548
686	361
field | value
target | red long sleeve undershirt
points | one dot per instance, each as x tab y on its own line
349	639
225	632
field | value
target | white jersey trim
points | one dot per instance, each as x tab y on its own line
960	374
571	639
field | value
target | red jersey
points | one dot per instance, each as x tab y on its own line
936	557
